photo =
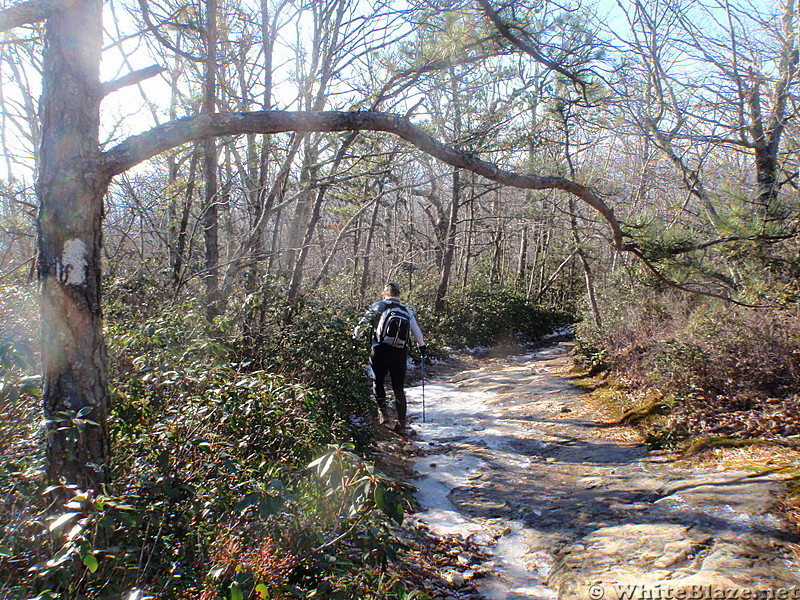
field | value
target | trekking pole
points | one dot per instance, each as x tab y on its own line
422	365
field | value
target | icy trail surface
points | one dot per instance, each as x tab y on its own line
514	462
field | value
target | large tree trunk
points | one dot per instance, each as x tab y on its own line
522	263
305	245
181	252
452	221
587	271
71	187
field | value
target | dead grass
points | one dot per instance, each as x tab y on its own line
605	400
759	459
608	396
747	457
611	396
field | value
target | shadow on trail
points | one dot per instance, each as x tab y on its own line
572	450
529	472
568	510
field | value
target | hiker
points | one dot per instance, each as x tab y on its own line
391	323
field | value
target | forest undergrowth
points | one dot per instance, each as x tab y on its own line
706	380
242	452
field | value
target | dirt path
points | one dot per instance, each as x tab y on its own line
513	462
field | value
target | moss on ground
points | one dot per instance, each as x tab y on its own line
649	415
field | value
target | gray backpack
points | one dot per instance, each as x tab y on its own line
394	326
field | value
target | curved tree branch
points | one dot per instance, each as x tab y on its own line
26	13
153	28
139	148
767	239
684	287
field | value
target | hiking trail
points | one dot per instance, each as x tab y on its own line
512	461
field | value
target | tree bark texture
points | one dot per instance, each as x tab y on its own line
210	169
26	13
71	189
362	290
183	227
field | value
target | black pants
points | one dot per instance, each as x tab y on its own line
385	359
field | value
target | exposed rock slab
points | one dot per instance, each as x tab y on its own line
601	518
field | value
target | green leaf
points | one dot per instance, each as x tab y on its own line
379	502
326	465
236	593
137	594
62	556
269	505
315	463
90	560
163	460
263	591
391	504
248	501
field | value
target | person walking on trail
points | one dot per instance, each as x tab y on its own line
392	323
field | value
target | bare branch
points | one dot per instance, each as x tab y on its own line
130	79
139	148
153	28
26	13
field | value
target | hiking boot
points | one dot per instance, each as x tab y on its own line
383	414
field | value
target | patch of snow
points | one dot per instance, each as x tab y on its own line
516	577
721	516
456	424
672	501
357	422
478	350
522	358
739	521
567	331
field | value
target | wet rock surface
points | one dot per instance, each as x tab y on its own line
547	504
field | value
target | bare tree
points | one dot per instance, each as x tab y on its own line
710	79
73	180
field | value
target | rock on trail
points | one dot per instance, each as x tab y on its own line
513	461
